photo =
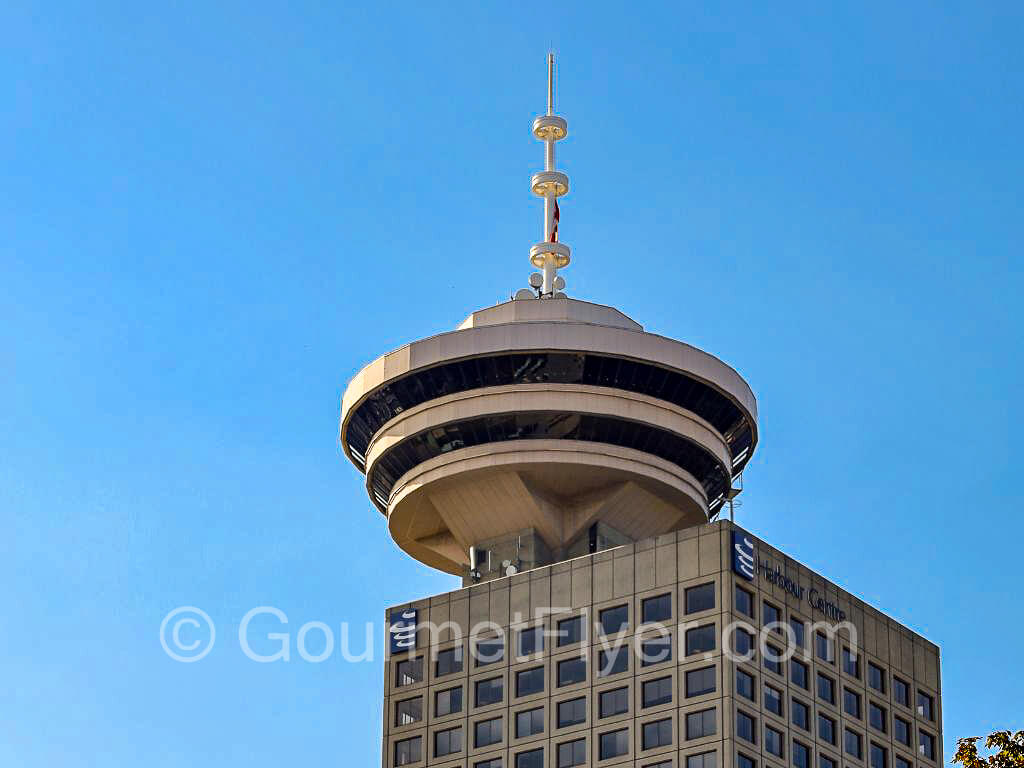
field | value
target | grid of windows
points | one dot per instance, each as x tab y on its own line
409	672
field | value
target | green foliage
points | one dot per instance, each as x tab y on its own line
1008	751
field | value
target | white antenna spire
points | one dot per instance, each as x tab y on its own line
550	255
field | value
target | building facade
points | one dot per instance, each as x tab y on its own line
636	656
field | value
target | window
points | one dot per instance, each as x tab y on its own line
876	716
448	702
770	614
494	762
851	742
703	760
823	647
801	755
878	756
745	685
530	681
656	734
876	677
613	744
826	689
533	758
772	659
824	761
742	643
447	742
851	663
926	744
570	631
448	662
613	702
851	703
408	751
744	602
900	692
797	625
409	711
531	641
572	753
700	598
901	730
655	651
408	672
925	705
773	700
801	714
742	761
614	619
529	722
700	639
700	724
487	732
746	727
489	691
700	681
572	712
490	651
571	671
773	741
613	662
656	692
798	673
656	608
826	729
902	762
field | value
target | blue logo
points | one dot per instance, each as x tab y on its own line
743	555
402	630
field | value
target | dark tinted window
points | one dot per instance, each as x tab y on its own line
612	662
876	677
489	691
447	742
798	673
744	602
878	756
742	761
900	692
703	760
615	619
851	663
700	681
657	691
408	751
773	700
826	689
572	712
742	643
490	651
852	743
656	734
901	762
797	625
824	761
701	598
801	714
773	741
801	755
531	641
876	717
409	671
926	744
925	706
655	651
448	661
572	671
613	702
746	727
570	631
572	753
851	702
901	730
533	758
530	681
487	732
447	702
773	659
700	724
700	639
826	729
823	647
613	744
745	685
529	722
770	614
656	608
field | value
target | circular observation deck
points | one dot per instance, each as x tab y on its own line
551	415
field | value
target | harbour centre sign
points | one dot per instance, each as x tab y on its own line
745	562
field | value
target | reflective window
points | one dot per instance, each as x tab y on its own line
656	734
852	743
701	598
448	701
408	751
489	691
770	614
700	681
773	700
851	703
797	625
773	741
656	608
925	706
744	602
655	651
613	702
877	717
409	711
801	714
851	663
742	761
572	753
900	692
700	724
447	742
530	681
529	722
490	651
745	685
613	744
656	692
801	755
823	647
613	662
746	727
826	689
571	671
531	641
901	731
876	677
615	619
826	729
702	760
926	744
448	662
533	758
487	732
409	671
878	756
572	712
570	631
798	673
700	639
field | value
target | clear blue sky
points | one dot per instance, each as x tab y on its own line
203	208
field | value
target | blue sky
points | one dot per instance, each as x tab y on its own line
213	214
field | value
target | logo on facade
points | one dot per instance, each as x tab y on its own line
402	629
743	555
